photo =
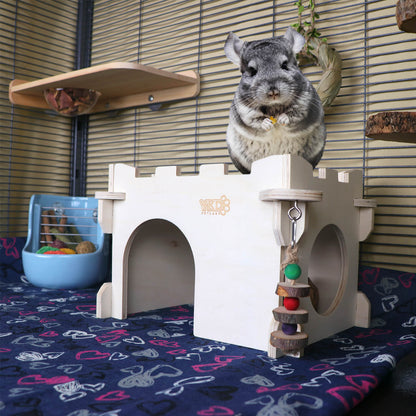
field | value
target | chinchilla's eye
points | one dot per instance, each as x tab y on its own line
284	65
251	70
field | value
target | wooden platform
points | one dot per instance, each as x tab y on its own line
121	84
406	15
397	126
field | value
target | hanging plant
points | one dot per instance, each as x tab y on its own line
318	52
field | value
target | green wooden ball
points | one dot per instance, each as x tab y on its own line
293	271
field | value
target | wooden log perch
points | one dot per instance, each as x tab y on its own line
288	342
287	289
397	126
299	316
406	15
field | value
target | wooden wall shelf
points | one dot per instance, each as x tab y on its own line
406	15
122	85
399	126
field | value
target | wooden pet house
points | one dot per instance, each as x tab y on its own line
218	241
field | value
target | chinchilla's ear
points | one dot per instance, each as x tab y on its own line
233	46
295	38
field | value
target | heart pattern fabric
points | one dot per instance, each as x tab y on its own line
55	354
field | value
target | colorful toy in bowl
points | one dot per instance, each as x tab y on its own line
57	226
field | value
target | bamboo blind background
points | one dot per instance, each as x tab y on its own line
378	75
37	40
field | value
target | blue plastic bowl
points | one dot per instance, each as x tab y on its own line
69	271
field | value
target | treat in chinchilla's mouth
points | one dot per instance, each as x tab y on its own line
275	109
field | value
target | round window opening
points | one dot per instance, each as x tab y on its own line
327	269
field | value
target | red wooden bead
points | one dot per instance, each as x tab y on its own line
291	304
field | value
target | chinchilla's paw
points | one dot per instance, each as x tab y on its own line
267	124
283	119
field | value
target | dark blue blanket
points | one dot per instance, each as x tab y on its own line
57	358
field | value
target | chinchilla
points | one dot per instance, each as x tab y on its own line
275	109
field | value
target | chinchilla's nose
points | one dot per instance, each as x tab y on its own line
273	93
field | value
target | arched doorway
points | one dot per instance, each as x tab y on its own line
160	267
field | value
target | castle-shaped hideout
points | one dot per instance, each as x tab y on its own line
218	241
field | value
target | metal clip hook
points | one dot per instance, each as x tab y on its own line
293	219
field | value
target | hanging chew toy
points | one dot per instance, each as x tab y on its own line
290	338
290	266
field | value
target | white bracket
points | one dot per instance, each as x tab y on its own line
281	199
366	207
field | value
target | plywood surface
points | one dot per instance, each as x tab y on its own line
121	84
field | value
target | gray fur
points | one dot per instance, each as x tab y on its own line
273	85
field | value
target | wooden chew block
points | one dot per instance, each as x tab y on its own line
288	342
397	126
45	230
297	290
299	316
62	224
52	218
406	15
